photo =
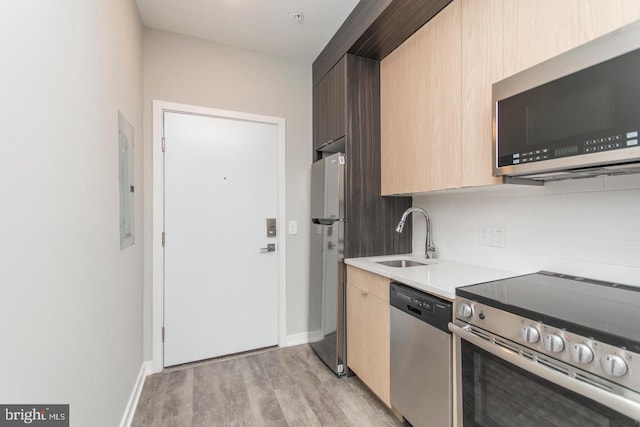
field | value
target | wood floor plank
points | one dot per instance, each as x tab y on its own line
362	390
293	359
209	419
149	409
277	370
352	404
264	402
178	396
324	407
288	387
254	369
295	407
207	403
181	420
305	422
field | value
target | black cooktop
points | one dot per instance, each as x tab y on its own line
607	312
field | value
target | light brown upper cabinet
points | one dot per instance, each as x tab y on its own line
482	65
598	17
500	38
436	87
420	108
535	31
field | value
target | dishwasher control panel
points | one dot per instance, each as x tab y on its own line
426	307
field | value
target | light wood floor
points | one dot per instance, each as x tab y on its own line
278	387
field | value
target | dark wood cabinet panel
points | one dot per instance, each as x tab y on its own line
362	17
347	103
395	24
371	218
374	29
329	105
320	118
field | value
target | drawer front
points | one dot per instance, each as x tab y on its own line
369	282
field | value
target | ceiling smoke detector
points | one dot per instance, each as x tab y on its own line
298	16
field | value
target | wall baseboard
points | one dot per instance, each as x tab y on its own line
130	410
303	338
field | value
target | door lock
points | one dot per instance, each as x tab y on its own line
271	227
271	247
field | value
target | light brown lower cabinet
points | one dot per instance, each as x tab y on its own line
368	327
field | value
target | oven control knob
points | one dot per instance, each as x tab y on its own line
553	343
530	334
581	353
613	365
465	310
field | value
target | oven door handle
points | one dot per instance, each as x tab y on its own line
618	403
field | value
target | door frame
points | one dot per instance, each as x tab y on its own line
157	189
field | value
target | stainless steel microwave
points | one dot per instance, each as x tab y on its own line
575	115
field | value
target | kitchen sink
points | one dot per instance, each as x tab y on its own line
402	263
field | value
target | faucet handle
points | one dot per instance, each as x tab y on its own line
432	252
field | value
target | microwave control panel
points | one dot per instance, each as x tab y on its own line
630	139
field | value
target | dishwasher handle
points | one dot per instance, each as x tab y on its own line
428	308
414	310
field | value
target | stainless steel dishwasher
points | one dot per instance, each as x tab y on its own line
421	360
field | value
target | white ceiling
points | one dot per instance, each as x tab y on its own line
263	25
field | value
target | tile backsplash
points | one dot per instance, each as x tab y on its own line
587	227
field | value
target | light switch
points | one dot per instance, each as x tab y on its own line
293	227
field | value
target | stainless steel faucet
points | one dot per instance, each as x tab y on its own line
430	251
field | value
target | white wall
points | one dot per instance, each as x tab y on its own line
585	227
191	71
70	300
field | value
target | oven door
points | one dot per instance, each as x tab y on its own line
499	387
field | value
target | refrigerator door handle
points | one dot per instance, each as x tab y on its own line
326	221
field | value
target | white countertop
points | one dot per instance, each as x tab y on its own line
439	277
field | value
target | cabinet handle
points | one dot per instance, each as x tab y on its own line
364	293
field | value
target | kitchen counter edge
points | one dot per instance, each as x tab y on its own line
439	277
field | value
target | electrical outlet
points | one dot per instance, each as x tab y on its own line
498	236
493	236
485	235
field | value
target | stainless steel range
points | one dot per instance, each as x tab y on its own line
548	349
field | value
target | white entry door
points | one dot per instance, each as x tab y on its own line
220	287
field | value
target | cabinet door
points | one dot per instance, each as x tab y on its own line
420	108
482	65
319	114
329	105
356	330
368	353
501	38
598	17
535	31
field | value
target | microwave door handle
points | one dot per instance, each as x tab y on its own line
617	403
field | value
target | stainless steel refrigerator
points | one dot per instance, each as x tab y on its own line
327	259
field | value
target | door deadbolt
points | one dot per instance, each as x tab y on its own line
271	227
